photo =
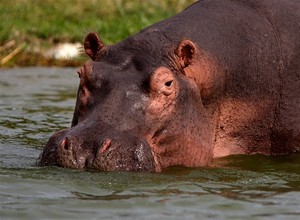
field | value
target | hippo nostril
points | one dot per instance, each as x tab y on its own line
65	145
105	145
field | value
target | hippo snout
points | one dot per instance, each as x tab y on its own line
71	154
121	153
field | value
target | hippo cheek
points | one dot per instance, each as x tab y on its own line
120	157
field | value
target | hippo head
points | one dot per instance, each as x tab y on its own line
139	108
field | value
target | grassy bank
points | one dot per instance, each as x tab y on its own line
28	28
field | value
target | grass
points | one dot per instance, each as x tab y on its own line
32	26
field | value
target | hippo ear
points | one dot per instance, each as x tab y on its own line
92	45
186	52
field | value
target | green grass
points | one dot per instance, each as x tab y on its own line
42	23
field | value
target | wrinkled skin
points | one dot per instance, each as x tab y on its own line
220	78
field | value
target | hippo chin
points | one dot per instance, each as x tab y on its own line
220	78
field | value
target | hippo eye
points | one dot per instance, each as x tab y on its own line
162	81
169	83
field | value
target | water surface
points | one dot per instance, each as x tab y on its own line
35	102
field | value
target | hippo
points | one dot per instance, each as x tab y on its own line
220	78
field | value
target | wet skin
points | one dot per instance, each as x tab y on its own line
220	78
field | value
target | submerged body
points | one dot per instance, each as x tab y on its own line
220	78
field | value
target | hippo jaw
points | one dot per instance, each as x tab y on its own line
65	149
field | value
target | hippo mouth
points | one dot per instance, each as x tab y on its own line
122	153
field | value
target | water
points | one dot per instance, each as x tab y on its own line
35	102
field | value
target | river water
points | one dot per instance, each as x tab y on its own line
35	102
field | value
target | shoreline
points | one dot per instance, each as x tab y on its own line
61	54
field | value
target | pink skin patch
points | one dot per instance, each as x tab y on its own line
64	145
106	144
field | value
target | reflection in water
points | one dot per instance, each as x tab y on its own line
35	102
113	196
